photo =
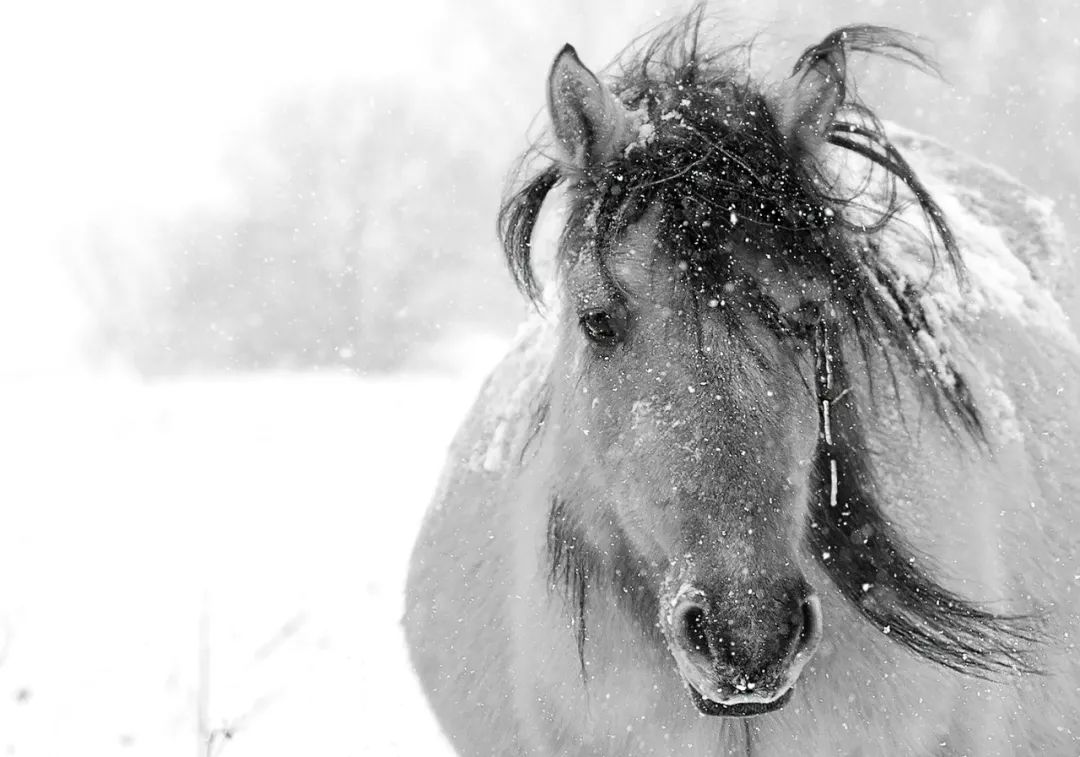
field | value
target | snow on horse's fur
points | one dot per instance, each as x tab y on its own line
532	636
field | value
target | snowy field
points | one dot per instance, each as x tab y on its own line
224	556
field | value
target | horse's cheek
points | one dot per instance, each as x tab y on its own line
643	487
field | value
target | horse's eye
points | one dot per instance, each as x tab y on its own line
600	327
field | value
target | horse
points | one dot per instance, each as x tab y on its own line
787	462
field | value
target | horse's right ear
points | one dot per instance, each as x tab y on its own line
589	121
811	96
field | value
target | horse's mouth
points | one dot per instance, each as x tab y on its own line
704	659
742	709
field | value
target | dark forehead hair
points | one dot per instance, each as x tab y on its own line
711	156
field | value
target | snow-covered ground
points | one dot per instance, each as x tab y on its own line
235	547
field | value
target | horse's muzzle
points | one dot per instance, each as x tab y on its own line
737	660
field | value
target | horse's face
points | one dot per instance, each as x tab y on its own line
688	416
690	427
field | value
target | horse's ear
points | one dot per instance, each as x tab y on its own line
811	96
589	121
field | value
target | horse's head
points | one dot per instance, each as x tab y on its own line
701	271
690	421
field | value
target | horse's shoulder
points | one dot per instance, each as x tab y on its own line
459	574
509	405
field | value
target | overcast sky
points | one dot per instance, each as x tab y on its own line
131	102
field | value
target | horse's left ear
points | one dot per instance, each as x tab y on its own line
811	96
589	121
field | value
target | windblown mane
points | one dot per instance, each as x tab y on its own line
711	157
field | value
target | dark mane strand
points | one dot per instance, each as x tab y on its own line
876	148
858	129
576	567
540	409
571	569
943	383
516	223
882	41
880	575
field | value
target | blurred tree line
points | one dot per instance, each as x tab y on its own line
363	230
361	235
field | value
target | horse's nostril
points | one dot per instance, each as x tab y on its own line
810	633
690	628
730	658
